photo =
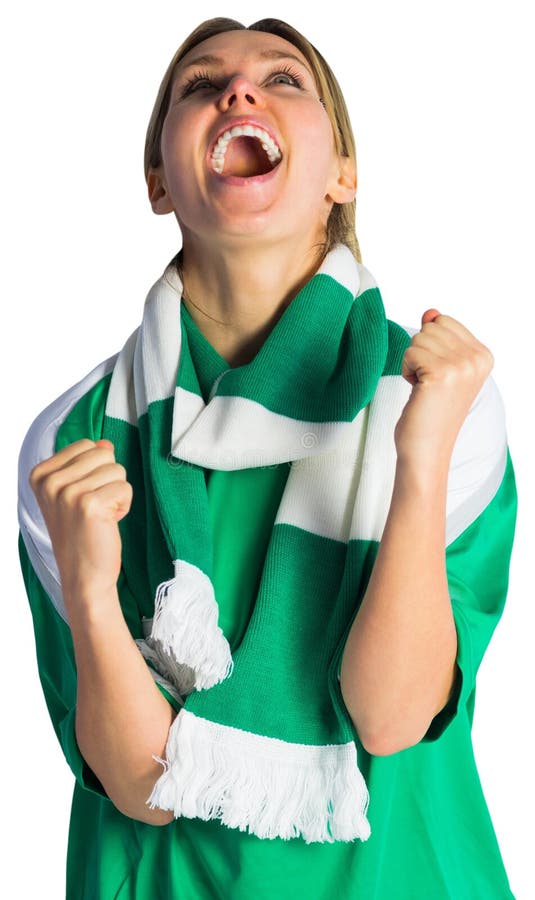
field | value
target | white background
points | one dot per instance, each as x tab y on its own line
441	99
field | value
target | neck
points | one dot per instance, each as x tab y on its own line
237	295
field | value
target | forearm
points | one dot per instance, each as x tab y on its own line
122	719
398	666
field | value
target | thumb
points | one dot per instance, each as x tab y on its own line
430	315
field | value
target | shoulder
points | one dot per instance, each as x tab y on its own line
72	415
478	462
40	440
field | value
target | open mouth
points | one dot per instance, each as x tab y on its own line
245	151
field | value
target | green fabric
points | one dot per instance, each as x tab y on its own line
431	834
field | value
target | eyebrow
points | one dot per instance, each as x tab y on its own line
208	59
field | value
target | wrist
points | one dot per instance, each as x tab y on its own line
89	602
425	476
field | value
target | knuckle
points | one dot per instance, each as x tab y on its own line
40	472
88	503
68	494
486	357
35	476
124	489
467	369
476	364
105	452
467	366
51	484
451	371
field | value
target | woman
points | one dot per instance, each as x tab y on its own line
266	550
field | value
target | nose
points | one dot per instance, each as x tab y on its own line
240	91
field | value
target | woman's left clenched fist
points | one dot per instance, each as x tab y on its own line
447	367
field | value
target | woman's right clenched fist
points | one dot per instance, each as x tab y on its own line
83	493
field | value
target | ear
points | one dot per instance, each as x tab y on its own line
344	186
158	194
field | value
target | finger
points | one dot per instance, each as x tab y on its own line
439	340
469	346
47	466
456	327
112	500
52	475
110	473
416	362
71	451
63	456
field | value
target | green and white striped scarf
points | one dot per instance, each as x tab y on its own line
263	741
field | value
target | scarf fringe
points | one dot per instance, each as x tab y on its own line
171	672
185	630
266	786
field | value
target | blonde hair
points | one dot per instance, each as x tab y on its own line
341	222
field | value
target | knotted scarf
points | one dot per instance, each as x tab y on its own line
263	740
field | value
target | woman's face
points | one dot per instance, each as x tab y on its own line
223	186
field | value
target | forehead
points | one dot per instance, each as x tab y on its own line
233	46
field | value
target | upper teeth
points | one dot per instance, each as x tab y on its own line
269	145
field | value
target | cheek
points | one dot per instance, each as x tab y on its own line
169	149
174	147
317	150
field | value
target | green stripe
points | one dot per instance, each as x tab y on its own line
287	635
207	363
332	371
398	341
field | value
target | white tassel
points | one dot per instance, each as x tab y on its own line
185	627
180	678
266	786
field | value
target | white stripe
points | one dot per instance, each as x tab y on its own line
187	408
346	494
160	342
121	401
379	459
320	491
476	470
366	279
148	363
341	265
39	444
216	438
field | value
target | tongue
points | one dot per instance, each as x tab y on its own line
246	157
